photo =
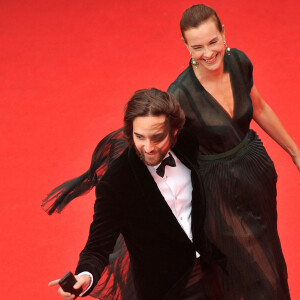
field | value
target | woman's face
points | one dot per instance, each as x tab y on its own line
206	45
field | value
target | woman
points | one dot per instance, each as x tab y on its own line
219	99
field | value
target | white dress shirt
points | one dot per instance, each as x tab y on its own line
176	188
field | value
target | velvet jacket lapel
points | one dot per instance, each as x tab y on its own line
189	159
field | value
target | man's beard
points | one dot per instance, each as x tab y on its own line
152	162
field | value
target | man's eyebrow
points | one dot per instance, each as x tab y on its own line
136	133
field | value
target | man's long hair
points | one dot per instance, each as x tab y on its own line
152	102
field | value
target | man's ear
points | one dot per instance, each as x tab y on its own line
175	132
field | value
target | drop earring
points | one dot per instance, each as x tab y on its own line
227	49
194	63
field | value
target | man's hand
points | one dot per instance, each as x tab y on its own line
82	281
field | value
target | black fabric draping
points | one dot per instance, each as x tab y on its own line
241	216
107	150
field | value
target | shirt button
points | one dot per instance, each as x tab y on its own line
180	218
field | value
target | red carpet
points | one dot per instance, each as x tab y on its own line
67	69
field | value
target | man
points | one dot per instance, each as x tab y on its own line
153	196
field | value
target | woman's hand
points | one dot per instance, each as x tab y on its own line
296	160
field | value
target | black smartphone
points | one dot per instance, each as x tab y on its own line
67	283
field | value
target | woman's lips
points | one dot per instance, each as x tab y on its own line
211	60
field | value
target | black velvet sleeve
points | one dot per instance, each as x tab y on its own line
104	231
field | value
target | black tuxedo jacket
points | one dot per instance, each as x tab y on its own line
129	202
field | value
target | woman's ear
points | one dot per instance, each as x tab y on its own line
183	39
185	43
223	32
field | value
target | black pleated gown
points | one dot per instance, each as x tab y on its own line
240	184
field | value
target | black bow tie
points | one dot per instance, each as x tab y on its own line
170	161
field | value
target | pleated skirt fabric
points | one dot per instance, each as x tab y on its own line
241	220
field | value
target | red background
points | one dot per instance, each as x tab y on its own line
68	68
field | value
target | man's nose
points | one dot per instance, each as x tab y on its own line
149	146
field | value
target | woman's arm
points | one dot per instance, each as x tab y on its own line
265	117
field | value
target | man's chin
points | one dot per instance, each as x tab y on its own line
151	161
